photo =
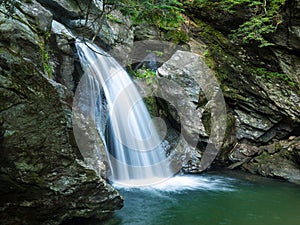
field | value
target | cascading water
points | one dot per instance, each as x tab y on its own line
134	148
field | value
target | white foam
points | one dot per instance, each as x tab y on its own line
181	183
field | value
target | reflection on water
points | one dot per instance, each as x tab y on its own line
211	199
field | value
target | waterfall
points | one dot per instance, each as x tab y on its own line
133	147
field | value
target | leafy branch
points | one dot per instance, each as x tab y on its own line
265	20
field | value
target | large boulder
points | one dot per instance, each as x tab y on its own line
43	178
194	106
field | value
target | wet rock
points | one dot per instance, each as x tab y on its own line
43	179
279	160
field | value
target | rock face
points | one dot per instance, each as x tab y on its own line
89	20
181	79
279	159
43	179
261	88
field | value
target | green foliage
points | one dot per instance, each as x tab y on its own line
177	36
157	53
255	29
46	60
147	74
114	18
164	15
264	19
262	72
46	54
144	73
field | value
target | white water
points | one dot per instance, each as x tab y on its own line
189	182
133	145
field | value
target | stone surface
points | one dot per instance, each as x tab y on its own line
43	179
62	57
280	160
64	11
107	31
265	105
189	89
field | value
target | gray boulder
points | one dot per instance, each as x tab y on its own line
189	89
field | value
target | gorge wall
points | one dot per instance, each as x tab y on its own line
261	89
43	178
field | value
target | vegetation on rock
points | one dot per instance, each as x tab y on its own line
264	17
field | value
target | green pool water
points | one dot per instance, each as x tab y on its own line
211	199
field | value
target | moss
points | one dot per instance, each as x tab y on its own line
226	60
230	125
277	147
271	75
114	19
263	158
176	36
215	56
46	56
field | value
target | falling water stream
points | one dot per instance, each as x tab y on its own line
133	146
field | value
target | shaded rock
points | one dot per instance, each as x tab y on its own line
287	34
213	13
63	56
117	30
89	20
279	160
243	151
260	86
266	107
145	32
64	11
21	39
289	63
43	179
36	15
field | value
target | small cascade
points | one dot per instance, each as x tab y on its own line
133	146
